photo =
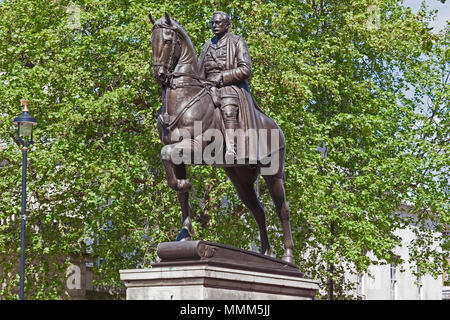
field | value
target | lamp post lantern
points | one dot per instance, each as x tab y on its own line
25	124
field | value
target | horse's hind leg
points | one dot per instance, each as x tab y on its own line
243	179
275	183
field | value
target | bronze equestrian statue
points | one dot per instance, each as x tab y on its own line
212	95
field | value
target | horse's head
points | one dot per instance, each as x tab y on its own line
166	47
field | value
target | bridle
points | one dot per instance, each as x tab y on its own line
173	59
173	56
170	76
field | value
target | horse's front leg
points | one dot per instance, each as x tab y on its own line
176	178
183	199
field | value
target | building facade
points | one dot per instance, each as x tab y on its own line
395	282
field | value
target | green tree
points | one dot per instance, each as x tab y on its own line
351	76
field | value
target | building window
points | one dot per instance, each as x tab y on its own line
419	286
360	286
419	289
445	276
393	276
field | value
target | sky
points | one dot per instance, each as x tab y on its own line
443	14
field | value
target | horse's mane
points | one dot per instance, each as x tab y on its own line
186	36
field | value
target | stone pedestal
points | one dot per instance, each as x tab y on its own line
201	270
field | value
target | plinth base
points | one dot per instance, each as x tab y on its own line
200	270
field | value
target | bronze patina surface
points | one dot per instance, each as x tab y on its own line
214	92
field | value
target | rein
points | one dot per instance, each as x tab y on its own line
202	82
205	84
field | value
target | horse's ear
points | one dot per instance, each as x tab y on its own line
168	21
152	20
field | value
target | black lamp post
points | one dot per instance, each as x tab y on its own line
25	124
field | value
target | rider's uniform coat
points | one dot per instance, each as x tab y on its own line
230	57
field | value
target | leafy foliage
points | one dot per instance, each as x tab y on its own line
351	76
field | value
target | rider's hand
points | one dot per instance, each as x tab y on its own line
216	78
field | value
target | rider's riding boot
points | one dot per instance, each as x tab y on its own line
230	154
229	113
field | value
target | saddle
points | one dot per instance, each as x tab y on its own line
215	96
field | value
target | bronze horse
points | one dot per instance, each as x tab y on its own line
188	100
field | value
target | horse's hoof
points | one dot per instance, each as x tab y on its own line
288	258
183	185
183	235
